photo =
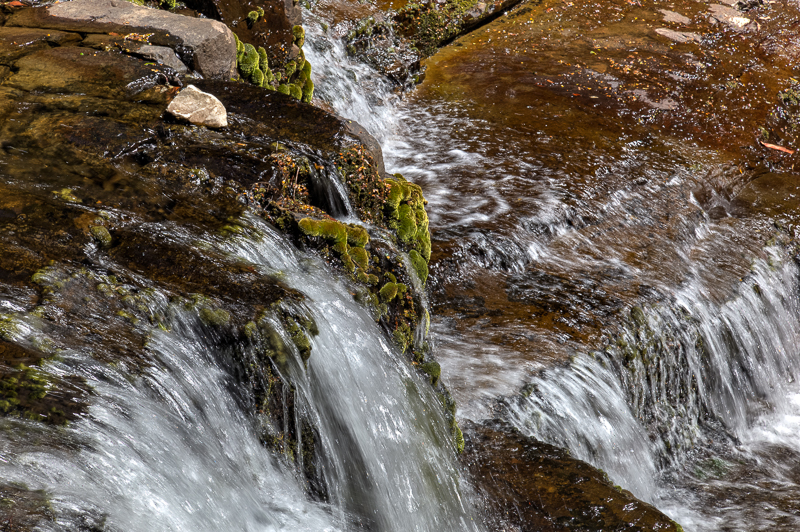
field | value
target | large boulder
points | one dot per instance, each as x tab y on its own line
272	30
206	46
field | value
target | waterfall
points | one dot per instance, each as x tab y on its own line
173	449
687	373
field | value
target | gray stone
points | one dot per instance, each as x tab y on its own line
198	107
207	45
678	36
164	55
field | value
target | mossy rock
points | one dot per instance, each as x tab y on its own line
101	234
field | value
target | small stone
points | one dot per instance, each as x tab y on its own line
198	107
728	16
101	234
164	55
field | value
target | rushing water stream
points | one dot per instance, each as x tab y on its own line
606	270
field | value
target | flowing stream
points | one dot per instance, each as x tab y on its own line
602	280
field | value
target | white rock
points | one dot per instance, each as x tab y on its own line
199	108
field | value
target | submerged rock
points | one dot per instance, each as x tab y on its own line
527	485
198	107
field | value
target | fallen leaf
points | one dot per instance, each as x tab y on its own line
776	147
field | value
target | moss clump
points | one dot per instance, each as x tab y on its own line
388	292
9	327
433	370
168	4
299	36
308	91
458	439
419	264
252	18
101	234
357	236
66	194
331	230
299	338
283	89
249	61
403	337
263	59
215	317
258	77
360	256
295	92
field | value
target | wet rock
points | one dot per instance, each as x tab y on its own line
82	71
671	16
199	108
207	46
678	36
16	42
272	30
728	16
164	55
374	41
431	25
527	485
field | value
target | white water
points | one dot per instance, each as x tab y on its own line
172	449
642	423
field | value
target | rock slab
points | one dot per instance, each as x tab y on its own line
208	46
199	108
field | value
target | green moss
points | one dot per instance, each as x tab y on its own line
258	77
295	91
260	11
289	69
299	35
388	291
263	59
251	330
360	256
433	370
403	336
239	49
307	69
283	89
168	4
101	234
214	317
9	327
458	439
66	194
678	528
419	264
406	223
252	18
308	91
249	61
299	338
357	236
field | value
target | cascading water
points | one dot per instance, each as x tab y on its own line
173	449
687	390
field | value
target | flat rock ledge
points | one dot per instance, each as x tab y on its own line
206	46
199	108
